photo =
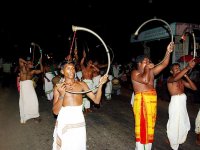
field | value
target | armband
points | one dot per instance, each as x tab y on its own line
61	97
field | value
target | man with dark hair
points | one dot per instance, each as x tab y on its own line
70	130
178	123
145	98
87	75
28	101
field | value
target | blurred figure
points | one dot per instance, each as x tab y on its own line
49	74
116	72
87	76
28	101
197	128
108	88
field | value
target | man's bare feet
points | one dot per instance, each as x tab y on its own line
22	121
88	110
167	141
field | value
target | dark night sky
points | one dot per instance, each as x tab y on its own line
49	24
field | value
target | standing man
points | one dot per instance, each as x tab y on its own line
28	101
178	123
145	99
117	73
70	130
87	76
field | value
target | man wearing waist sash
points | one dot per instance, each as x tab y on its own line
145	99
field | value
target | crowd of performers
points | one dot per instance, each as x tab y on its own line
63	84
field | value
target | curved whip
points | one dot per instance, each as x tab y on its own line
194	53
76	28
34	44
156	19
111	50
194	42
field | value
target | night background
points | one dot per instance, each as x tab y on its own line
49	24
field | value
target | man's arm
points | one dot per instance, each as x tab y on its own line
58	97
189	84
143	78
97	97
165	62
22	62
95	68
82	61
41	68
179	75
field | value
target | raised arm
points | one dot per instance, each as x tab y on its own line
157	69
83	60
41	68
189	84
22	62
178	76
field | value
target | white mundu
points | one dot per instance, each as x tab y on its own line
70	130
178	123
197	123
28	101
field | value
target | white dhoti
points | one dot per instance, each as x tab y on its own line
48	85
108	88
28	101
86	101
132	99
178	124
197	123
96	82
70	130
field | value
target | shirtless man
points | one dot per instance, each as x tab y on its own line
28	101
96	77
87	76
145	98
178	123
70	130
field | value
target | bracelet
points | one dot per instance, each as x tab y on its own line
61	97
188	67
168	52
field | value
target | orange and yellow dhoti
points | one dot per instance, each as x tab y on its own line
145	110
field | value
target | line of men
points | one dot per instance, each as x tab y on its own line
70	131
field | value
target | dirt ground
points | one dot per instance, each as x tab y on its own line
111	127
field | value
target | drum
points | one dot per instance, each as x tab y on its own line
115	81
116	84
